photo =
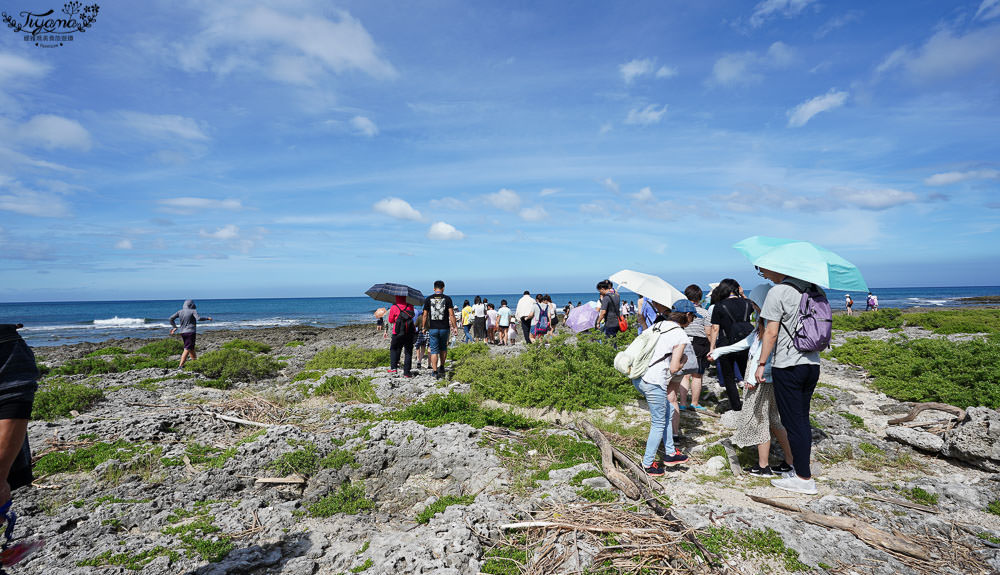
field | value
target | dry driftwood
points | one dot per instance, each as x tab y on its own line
608	462
734	459
289	480
861	530
573	527
902	503
240	421
957	411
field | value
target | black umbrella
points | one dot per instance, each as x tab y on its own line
387	292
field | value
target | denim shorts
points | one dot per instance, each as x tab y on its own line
438	340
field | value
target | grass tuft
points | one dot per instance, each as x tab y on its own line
56	398
350	357
349	498
438	410
233	365
247	345
441	504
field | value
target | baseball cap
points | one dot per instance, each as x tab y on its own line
684	306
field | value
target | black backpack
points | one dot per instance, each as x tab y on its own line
404	323
738	330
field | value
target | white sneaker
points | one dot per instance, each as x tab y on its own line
794	483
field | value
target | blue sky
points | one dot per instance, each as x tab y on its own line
300	148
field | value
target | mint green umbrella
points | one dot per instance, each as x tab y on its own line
802	260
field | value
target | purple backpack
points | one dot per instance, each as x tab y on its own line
815	321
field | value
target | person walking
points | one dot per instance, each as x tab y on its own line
849	303
541	322
467	321
667	360
479	320
525	313
491	323
647	314
795	373
503	321
420	344
730	324
698	330
610	304
438	316
553	314
18	383
870	302
403	335
188	316
759	420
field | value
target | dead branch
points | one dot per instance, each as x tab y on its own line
617	478
733	457
902	503
958	412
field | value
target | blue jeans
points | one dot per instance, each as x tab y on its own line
438	340
468	336
659	420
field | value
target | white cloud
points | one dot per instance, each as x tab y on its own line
296	47
877	200
948	55
549	191
14	68
948	178
666	72
15	198
636	68
840	198
798	116
747	67
229	232
838	22
123	245
192	205
505	200
606	127
611	185
164	126
533	214
397	208
364	126
444	231
768	9
644	195
988	10
52	132
448	203
646	116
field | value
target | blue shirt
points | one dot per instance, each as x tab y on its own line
648	313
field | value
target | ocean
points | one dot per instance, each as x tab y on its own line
59	323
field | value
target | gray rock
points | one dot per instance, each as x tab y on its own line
597	483
922	440
716	465
976	440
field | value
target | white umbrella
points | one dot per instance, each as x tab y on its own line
648	286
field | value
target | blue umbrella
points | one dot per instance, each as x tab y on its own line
802	260
387	292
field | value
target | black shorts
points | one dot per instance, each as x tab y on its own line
16	403
701	347
189	340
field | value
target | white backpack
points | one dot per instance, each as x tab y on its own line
634	361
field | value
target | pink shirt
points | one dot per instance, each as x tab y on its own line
394	313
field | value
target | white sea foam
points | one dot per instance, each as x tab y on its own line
120	322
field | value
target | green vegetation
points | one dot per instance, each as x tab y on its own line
464	350
308	375
363	567
131	562
248	345
107	351
856	421
350	499
994	507
306	460
990	538
344	389
231	365
162	348
118	364
750	542
295	343
596	495
213	457
200	536
531	457
957	321
87	458
918	495
56	398
869	320
504	560
585	474
441	504
438	410
351	357
713	450
959	373
149	381
560	375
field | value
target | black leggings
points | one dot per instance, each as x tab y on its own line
727	376
397	344
526	329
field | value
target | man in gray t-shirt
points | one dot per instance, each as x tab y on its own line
795	374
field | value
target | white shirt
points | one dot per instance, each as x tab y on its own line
479	310
525	307
491	317
672	336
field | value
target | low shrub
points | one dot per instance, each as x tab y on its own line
87	458
965	373
235	365
441	504
349	498
596	495
248	345
559	375
345	389
957	321
307	460
994	507
162	348
107	351
763	542
454	407
887	318
118	364
56	398
462	351
295	343
922	496
350	358
309	375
